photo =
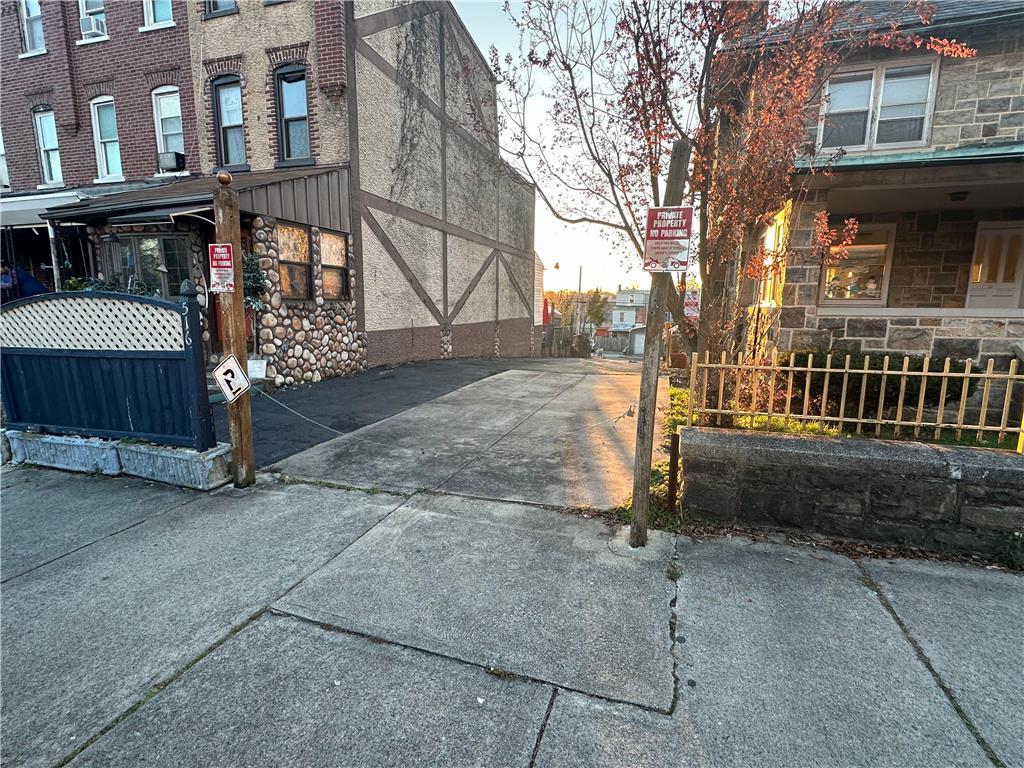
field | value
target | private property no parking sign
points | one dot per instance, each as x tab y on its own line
667	243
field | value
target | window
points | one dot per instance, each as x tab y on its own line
160	262
334	263
5	178
157	13
32	39
293	258
997	270
220	7
884	107
104	133
92	18
862	278
227	101
774	242
167	119
622	317
49	154
292	114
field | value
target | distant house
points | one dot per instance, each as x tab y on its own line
931	164
629	318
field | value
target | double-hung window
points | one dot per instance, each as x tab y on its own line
105	140
92	18
5	177
888	106
32	38
292	114
167	119
227	102
157	13
49	154
220	7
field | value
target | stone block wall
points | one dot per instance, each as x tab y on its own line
305	341
957	499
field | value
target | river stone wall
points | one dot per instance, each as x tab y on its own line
310	340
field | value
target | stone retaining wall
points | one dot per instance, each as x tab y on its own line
962	499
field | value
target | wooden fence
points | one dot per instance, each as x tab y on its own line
917	398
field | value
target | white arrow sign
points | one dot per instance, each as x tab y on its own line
231	378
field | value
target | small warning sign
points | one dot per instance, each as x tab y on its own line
222	268
231	379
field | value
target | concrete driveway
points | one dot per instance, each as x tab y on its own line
434	619
556	432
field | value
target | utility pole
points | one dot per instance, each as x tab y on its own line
661	285
231	319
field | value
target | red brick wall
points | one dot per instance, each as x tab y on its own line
128	67
330	46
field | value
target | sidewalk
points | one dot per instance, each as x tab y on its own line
302	625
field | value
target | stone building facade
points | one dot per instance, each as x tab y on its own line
938	265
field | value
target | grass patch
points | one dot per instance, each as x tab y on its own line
659	514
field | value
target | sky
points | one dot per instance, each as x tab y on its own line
570	246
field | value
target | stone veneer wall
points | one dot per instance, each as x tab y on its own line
963	499
930	270
305	341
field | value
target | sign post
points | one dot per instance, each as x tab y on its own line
226	282
661	284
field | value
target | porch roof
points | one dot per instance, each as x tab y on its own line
924	157
314	196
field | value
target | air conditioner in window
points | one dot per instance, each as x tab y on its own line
171	161
93	26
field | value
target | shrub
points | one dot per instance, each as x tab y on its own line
675	413
779	424
873	386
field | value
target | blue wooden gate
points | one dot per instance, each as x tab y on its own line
107	365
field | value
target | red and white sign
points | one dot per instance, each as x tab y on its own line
691	303
667	244
222	268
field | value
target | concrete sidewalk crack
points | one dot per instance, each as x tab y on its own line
154	689
159	686
543	727
99	539
327	626
673	624
875	587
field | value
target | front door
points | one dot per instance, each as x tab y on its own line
997	271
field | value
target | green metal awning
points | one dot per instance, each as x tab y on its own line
986	153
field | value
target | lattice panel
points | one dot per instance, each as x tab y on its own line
93	322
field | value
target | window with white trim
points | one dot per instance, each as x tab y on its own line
167	120
158	13
49	153
861	278
104	133
32	37
292	113
229	118
5	178
888	106
92	18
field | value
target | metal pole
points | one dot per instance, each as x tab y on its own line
231	316
54	255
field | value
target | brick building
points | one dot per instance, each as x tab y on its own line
932	167
412	238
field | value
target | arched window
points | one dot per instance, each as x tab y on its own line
228	119
105	140
170	136
292	114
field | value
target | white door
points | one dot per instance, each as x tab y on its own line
997	271
638	343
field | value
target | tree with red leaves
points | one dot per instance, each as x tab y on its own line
619	81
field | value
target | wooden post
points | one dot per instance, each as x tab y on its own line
231	318
647	410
